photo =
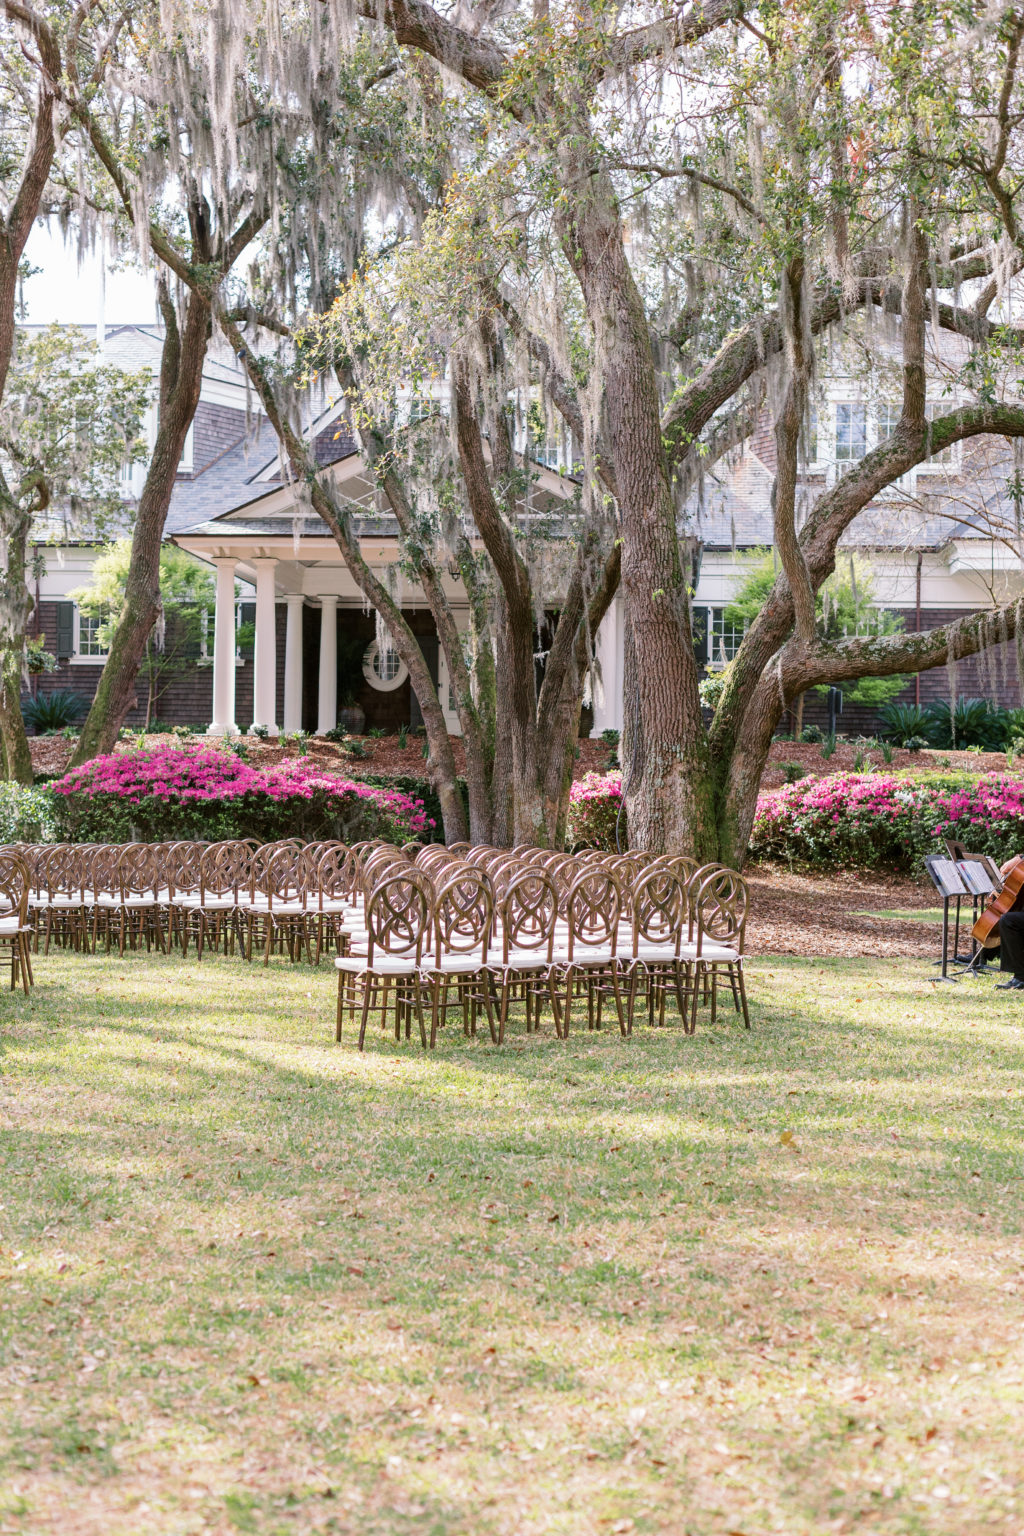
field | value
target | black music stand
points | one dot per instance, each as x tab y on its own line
954	879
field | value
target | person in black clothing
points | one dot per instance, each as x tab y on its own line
1011	950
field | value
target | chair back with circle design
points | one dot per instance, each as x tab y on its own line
283	880
720	905
528	913
593	909
661	908
138	871
463	913
398	915
224	869
15	883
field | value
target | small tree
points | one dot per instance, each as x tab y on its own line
186	593
68	423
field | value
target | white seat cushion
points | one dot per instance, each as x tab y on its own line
466	964
383	965
724	953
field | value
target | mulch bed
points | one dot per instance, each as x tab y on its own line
827	914
808	755
50	754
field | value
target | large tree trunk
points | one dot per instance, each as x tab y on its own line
15	607
181	377
669	803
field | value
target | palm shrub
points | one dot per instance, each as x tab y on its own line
971	723
53	711
901	723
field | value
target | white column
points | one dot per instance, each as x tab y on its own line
223	722
293	664
327	715
265	661
608	702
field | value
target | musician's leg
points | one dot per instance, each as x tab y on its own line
1011	944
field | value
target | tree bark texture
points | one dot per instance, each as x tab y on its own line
181	377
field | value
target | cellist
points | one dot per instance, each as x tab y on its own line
1010	931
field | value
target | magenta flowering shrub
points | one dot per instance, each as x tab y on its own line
205	792
594	803
887	820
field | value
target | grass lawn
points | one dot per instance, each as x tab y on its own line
252	1281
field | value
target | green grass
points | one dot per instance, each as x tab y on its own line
253	1281
914	914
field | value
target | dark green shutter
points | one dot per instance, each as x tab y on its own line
701	625
65	631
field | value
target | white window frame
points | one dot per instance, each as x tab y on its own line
937	465
90	658
207	621
852	403
446	697
186	463
715	661
382	685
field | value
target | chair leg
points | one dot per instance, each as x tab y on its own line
743	994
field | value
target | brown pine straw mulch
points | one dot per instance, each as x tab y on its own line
828	914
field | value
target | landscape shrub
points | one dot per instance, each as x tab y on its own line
204	792
594	804
26	814
53	711
972	723
888	820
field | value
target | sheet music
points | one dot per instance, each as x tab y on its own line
976	877
947	877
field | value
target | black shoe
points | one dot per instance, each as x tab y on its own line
1013	985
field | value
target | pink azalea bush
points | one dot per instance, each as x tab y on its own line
594	803
888	820
205	792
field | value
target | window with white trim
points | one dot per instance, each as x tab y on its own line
384	670
938	462
724	637
88	641
185	463
851	431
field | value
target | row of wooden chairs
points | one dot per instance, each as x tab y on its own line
499	926
409	926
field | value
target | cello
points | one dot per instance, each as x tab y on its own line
1008	899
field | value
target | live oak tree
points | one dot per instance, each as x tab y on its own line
191	204
69	423
719	189
35	42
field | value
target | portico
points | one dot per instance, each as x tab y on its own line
289	559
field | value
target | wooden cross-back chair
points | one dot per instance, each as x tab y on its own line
461	928
15	928
589	950
398	916
526	923
720	902
660	926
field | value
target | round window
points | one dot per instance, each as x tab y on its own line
384	669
